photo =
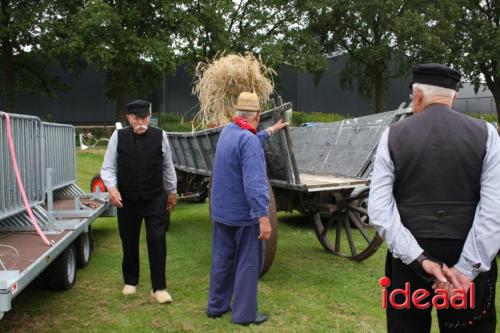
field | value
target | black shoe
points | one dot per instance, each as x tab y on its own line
217	315
214	316
259	319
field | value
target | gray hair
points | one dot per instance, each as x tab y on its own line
431	91
248	115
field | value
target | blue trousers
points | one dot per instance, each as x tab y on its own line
237	259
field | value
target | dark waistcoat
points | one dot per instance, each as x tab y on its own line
438	157
140	163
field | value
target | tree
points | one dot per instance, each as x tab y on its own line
25	29
365	32
461	33
131	40
273	29
477	28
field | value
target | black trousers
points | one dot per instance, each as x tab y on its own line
129	225
481	319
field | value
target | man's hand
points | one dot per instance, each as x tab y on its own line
115	197
171	202
433	268
265	228
278	126
458	279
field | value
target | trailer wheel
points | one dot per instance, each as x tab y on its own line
347	231
84	247
61	273
97	184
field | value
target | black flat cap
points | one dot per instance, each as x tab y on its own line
139	107
436	75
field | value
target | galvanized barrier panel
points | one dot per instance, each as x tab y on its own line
27	137
59	150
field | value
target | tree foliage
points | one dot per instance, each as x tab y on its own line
136	42
365	31
130	40
461	33
28	36
274	29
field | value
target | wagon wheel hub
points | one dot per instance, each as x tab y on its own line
346	232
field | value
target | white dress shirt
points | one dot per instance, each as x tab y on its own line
483	241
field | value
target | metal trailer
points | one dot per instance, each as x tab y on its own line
46	158
321	171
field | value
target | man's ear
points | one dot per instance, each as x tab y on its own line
418	97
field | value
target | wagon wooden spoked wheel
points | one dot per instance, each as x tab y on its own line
271	244
346	231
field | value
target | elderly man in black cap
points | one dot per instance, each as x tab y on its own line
140	177
434	198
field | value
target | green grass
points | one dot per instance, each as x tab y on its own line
306	290
489	117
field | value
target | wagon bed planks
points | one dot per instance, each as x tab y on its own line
315	183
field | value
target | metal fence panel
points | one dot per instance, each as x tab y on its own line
59	150
27	138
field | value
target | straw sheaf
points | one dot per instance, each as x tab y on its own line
219	82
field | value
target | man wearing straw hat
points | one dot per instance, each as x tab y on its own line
239	209
141	180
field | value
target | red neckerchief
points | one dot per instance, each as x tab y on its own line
244	124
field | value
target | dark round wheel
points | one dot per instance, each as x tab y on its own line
83	247
271	244
61	274
97	185
347	232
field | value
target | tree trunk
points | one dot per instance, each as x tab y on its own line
121	103
379	92
9	75
495	90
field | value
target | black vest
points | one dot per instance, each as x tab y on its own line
438	158
140	163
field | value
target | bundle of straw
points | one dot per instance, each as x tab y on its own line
219	82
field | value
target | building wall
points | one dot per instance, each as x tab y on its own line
85	101
328	96
469	102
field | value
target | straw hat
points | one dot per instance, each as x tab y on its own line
248	101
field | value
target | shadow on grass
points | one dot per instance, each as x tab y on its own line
295	220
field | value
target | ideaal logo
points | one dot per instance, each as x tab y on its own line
440	300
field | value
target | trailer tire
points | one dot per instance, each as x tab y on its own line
84	248
61	274
97	184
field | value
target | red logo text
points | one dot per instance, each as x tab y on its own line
440	299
